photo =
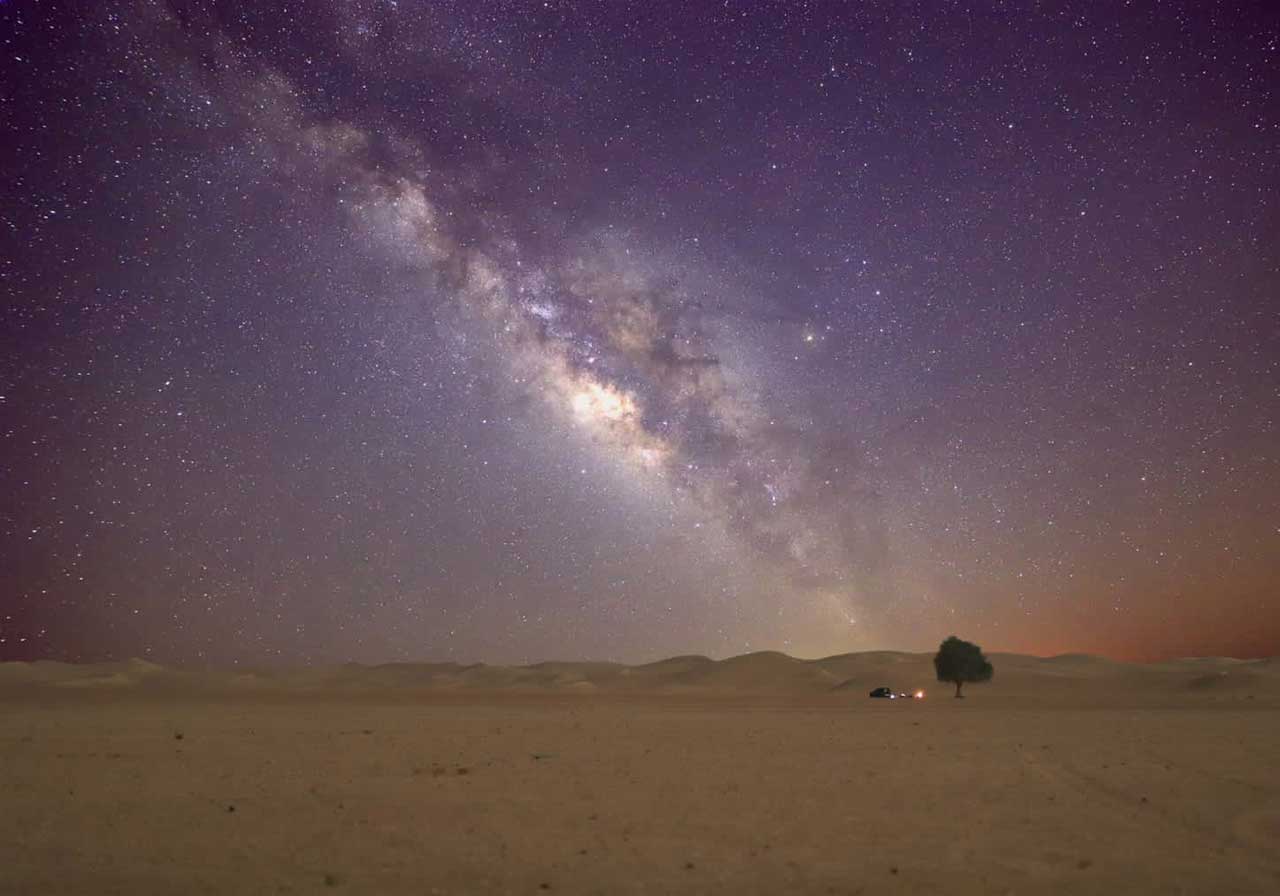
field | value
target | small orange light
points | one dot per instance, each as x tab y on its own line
919	695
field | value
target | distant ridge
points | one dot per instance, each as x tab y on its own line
765	672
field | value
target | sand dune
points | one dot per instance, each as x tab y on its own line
761	774
765	672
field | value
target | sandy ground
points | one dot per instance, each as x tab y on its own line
1157	787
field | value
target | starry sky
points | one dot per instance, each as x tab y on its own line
502	331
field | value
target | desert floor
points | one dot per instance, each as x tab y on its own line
119	791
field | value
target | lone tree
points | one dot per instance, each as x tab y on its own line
959	661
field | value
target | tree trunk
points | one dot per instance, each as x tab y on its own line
958	683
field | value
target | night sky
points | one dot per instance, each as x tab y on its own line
514	331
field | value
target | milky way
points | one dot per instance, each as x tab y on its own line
511	332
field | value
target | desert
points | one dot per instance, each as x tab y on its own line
756	774
454	447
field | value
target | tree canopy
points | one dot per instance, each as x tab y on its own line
959	661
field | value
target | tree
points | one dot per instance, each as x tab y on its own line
959	661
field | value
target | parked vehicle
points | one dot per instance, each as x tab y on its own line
889	694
